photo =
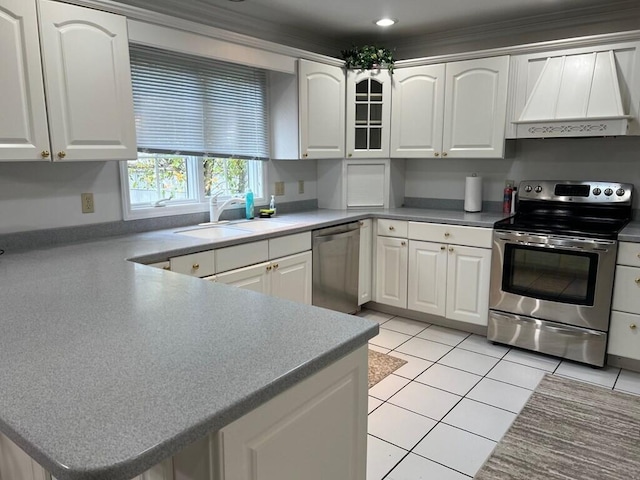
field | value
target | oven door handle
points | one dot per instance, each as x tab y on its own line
589	246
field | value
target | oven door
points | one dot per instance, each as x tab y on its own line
564	279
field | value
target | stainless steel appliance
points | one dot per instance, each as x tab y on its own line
553	267
336	253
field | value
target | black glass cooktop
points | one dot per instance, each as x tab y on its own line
572	226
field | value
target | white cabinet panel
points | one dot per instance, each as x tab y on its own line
468	284
417	111
427	285
15	464
290	244
475	108
392	228
366	261
624	335
238	256
457	234
321	110
629	254
201	264
88	83
291	278
391	271
316	430
23	123
255	278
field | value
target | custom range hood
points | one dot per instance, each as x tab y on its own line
575	96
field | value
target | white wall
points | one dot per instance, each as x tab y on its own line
39	195
42	195
605	159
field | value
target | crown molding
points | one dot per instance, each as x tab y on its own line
621	11
227	19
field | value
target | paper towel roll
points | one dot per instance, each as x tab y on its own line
473	194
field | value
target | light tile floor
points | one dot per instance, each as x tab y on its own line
440	415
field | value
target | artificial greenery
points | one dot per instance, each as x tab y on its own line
368	57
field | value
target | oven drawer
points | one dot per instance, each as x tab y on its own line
579	344
626	289
624	335
455	234
629	254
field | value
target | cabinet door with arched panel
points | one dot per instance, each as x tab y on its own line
368	113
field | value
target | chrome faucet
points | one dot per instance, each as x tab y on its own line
216	209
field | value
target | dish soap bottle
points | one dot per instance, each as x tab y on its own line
249	207
272	204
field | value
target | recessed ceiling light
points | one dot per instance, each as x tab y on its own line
385	22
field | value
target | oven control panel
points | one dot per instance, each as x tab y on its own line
578	192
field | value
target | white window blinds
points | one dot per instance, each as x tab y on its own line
198	106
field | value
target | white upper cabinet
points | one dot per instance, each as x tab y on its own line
417	111
368	113
23	123
475	108
450	110
88	83
321	110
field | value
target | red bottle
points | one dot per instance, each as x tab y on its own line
506	202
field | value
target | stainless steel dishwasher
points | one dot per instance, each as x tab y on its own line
336	254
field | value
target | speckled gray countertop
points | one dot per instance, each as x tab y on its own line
109	366
630	233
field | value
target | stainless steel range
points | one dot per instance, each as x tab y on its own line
553	267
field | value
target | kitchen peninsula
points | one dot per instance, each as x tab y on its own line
110	367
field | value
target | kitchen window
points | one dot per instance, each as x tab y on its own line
202	130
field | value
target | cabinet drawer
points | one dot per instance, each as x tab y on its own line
629	254
624	335
240	256
283	246
199	264
456	234
392	228
626	290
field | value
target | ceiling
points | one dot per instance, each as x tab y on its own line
329	23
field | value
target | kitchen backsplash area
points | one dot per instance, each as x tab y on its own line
35	196
442	181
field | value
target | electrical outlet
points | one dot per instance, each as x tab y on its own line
279	188
87	203
300	187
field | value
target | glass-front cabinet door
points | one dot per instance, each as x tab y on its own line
368	113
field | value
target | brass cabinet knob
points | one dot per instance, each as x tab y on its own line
61	154
638	280
451	249
45	154
361	223
305	155
269	267
275	265
195	266
442	247
436	154
639	255
403	243
632	326
447	234
167	267
444	154
350	155
392	228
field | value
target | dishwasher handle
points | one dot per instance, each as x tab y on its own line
328	238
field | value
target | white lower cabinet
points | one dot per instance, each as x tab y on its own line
437	278
624	330
468	276
427	287
391	271
451	281
316	430
287	277
15	464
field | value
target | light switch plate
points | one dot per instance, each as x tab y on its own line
279	188
87	203
300	187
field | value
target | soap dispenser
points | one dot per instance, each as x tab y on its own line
249	204
272	204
